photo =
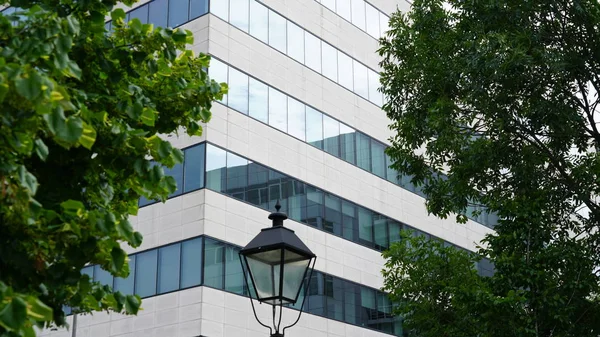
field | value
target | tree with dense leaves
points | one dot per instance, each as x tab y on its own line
82	111
502	97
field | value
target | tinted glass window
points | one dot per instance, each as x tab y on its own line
259	101
380	231
343	9
237	175
314	207
315	295
102	276
374	95
157	13
198	8
345	71
168	268
334	294
361	82
333	215
372	21
125	285
257	192
259	21
140	13
277	109
363	153
215	168
347	143
351	302
194	168
294	192
394	229
213	263
349	221
239	14
378	159
313	52
314	127
369	307
329	59
277	31
191	263
218	72
296	119
220	9
89	271
145	273
178	12
238	90
295	40
365	225
391	174
358	13
331	135
177	173
234	277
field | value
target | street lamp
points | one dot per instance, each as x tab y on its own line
277	262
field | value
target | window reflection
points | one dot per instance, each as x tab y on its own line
238	90
168	268
239	12
198	8
313	52
220	8
343	9
358	13
145	271
331	136
347	143
296	119
277	109
361	82
295	41
140	13
237	176
372	16
178	12
277	31
215	168
259	21
157	13
259	101
314	127
330	64
345	71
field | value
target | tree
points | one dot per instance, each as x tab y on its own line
502	98
82	111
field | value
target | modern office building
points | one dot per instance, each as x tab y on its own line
302	124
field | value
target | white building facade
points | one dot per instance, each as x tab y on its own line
302	124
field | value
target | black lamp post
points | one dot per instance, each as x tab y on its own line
277	262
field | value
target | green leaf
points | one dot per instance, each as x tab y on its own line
164	149
29	85
28	180
118	15
41	149
179	36
14	314
3	88
38	310
132	304
148	116
118	259
71	130
72	206
88	137
63	44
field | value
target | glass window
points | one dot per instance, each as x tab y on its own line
329	59
213	263
239	14
296	119
238	90
193	168
374	95
383	23
89	271
365	225
314	127
295	193
391	174
277	109
277	31
102	276
343	9
234	276
369	308
157	13
140	13
349	221
380	231
333	215
295	38
259	101
125	285
198	8
351	302
378	159
191	263
215	168
259	21
145	273
347	143
314	207
313	52
345	71
315	301
237	176
177	173
277	185
331	136
372	16
257	192
218	72
168	268
358	13
363	154
394	229
220	8
178	12
334	295
361	82
329	4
